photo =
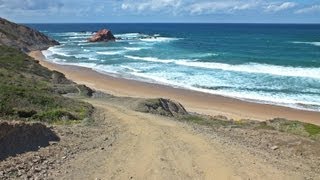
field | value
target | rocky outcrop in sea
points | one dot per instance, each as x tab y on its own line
103	35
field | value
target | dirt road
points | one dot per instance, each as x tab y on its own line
154	147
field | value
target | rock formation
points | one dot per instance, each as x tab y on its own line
23	38
164	107
104	35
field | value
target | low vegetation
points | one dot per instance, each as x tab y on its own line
277	124
30	92
295	127
170	108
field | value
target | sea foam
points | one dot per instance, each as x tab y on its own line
257	68
265	98
310	43
130	68
245	68
110	52
150	59
159	39
134	48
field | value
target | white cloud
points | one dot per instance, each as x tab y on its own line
173	7
280	7
311	9
58	8
188	6
198	7
182	9
150	5
221	6
29	4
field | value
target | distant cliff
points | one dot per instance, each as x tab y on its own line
23	38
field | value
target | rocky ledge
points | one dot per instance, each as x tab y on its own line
165	107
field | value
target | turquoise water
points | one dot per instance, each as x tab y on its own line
274	64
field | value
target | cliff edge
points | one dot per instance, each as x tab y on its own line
23	38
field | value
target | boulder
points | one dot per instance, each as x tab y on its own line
164	107
104	35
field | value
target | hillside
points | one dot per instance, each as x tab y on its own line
29	91
22	37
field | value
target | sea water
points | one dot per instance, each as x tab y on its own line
265	63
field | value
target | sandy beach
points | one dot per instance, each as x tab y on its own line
193	101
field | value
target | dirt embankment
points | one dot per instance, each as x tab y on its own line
18	137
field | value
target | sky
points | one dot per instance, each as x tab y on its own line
157	11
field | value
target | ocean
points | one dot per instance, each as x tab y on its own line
265	63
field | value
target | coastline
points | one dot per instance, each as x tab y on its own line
194	101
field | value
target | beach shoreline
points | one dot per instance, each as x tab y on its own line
194	101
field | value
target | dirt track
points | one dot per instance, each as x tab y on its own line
125	144
153	147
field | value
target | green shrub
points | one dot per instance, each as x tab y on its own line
55	115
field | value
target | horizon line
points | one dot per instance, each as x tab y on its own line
279	23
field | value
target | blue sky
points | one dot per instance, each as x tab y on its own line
213	11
